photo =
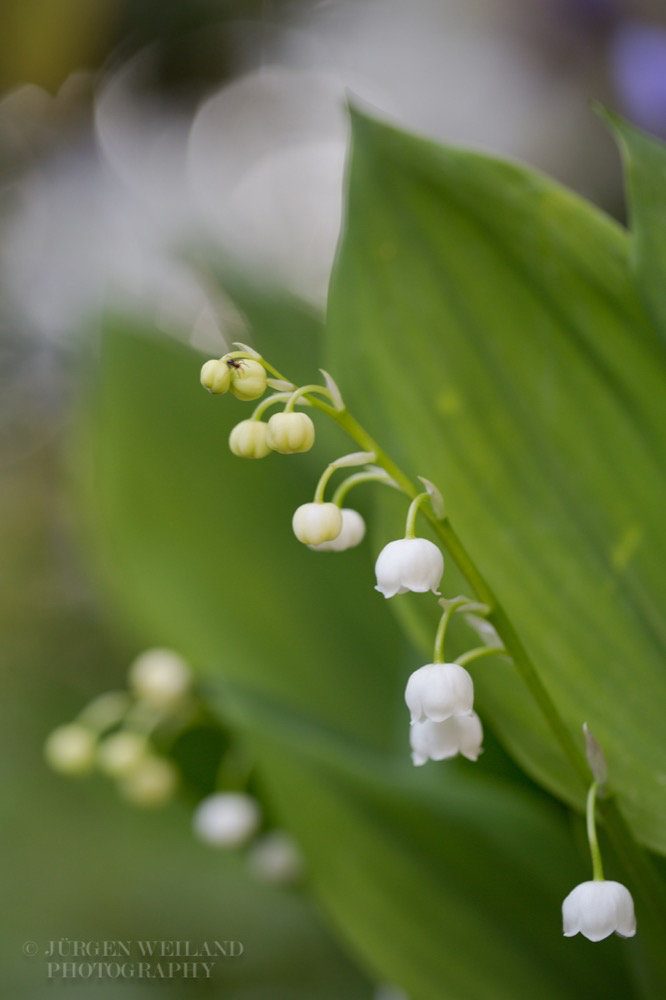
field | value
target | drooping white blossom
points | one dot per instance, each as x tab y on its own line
351	533
409	564
226	819
438	691
314	523
598	909
459	734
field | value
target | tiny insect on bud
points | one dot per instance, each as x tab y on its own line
248	378
216	377
290	433
248	439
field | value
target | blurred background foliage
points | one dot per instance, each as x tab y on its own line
131	135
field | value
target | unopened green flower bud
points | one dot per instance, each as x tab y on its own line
216	376
71	749
151	783
249	439
121	753
314	523
290	433
248	379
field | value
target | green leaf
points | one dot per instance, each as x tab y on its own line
485	327
421	870
428	869
645	171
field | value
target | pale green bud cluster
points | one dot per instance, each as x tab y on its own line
244	377
114	733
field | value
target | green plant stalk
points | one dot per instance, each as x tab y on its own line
597	865
635	861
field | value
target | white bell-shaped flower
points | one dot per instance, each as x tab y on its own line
290	433
597	909
459	734
409	564
351	533
314	523
226	819
438	691
248	439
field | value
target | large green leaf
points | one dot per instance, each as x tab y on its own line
420	870
645	169
484	325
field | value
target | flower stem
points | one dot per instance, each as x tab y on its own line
323	479
410	526
377	476
597	866
478	653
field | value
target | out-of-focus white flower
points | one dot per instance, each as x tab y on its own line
226	819
314	523
459	734
386	991
150	783
70	749
121	753
597	909
351	533
409	564
276	858
159	677
438	691
290	433
248	380
249	439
